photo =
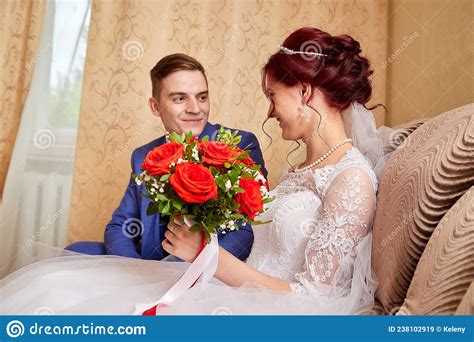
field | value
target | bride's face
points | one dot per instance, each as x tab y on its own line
287	108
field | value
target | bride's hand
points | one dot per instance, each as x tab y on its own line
181	242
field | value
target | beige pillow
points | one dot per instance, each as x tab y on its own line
446	268
466	307
420	182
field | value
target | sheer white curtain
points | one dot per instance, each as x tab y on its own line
38	185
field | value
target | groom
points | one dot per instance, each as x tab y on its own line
180	98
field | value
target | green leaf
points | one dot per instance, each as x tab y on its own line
189	136
196	228
152	209
206	138
256	223
166	208
161	197
227	165
207	236
175	137
236	141
243	155
212	229
268	199
233	175
177	205
165	177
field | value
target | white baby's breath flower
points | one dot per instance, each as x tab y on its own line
161	190
138	181
259	177
180	160
147	178
228	185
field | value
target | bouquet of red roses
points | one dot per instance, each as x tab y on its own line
212	183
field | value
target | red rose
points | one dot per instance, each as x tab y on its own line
193	183
247	161
217	153
158	160
250	201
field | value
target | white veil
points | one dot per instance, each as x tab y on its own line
360	126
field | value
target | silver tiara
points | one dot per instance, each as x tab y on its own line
287	51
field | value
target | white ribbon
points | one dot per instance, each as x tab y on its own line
204	265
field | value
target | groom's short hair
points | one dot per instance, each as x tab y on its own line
169	64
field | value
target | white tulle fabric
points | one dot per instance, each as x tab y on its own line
319	240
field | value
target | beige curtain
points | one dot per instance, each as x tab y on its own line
20	31
232	39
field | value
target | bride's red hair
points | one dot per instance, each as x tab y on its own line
342	77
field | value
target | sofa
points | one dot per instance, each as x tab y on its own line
423	231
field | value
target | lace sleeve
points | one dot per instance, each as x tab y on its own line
345	219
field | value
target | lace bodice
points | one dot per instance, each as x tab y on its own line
319	217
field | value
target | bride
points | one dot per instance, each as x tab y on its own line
315	255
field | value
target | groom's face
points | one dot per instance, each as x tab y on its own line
183	102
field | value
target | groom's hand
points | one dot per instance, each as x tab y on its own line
181	242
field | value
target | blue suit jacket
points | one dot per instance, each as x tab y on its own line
148	245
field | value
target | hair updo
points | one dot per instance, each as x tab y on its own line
343	76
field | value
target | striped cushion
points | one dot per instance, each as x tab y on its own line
446	268
420	182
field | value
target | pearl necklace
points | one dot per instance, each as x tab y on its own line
327	154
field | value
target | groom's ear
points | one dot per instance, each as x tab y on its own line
154	106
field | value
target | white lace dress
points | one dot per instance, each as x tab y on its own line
319	240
